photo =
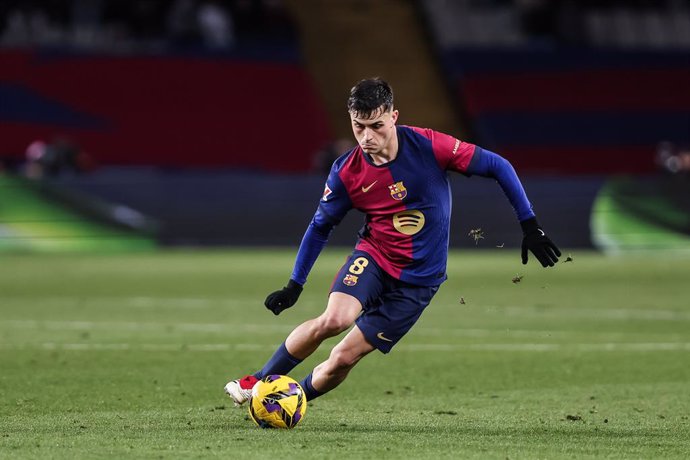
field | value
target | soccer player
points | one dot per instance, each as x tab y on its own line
397	176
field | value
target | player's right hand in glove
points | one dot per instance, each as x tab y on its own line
285	298
536	241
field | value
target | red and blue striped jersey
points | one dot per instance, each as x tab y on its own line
407	202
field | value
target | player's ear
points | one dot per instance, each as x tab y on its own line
394	116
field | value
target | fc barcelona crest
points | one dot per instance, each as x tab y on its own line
350	280
398	191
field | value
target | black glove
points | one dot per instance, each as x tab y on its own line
285	298
536	241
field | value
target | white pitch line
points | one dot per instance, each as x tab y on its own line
140	301
256	328
415	347
620	314
144	326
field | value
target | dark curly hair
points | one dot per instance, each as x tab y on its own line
368	95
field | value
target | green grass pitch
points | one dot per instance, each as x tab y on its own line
125	356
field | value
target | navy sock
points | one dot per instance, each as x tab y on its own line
281	363
309	391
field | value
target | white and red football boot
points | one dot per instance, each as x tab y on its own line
240	390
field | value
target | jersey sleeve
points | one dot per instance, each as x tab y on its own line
334	204
451	153
313	242
489	164
335	201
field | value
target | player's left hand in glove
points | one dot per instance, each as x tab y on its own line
536	241
285	298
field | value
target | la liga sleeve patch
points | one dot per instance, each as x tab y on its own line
451	153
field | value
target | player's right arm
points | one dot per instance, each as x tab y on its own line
334	204
489	164
455	155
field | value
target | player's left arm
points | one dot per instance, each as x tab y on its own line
313	242
334	204
489	164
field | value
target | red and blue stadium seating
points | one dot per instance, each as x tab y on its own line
243	112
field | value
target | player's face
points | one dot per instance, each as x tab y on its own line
376	132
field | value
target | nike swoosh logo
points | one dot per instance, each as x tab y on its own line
366	189
380	336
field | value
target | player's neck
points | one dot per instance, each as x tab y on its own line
387	154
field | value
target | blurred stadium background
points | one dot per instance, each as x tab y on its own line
132	125
132	129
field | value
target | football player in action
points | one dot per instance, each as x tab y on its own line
397	176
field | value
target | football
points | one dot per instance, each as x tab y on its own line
277	401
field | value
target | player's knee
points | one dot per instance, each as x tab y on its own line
331	325
342	361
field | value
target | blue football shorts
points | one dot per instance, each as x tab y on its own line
390	306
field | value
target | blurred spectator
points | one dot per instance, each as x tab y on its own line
153	24
32	22
603	23
672	159
51	160
216	25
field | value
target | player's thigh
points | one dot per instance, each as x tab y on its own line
342	310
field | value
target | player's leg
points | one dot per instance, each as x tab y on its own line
357	284
340	314
332	372
380	327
